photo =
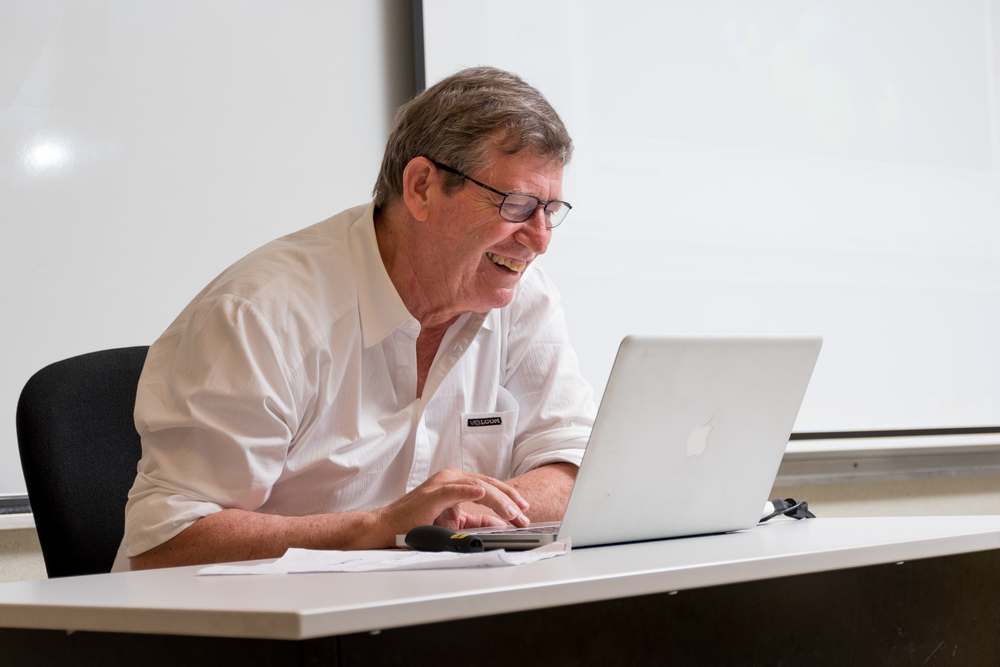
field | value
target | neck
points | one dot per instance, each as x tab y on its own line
394	231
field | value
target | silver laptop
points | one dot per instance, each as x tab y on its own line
687	441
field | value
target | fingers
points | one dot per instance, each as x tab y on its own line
504	500
495	495
474	515
469	515
507	489
425	504
437	501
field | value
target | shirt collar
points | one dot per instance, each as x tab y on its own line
381	308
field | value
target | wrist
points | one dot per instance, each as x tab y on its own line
379	527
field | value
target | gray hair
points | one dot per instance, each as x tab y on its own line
462	119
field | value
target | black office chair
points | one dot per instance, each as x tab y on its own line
79	450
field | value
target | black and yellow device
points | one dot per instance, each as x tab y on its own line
437	538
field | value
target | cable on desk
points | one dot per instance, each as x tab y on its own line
796	509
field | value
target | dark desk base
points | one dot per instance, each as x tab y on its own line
940	611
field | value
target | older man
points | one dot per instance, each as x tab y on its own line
399	364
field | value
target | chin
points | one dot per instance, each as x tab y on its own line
500	299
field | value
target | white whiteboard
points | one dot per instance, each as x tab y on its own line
146	145
775	167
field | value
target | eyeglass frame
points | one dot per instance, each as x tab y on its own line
543	204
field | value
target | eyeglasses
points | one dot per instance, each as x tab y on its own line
518	207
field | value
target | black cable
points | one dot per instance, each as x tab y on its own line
796	509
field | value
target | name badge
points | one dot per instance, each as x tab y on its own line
484	421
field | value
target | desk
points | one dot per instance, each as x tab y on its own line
886	590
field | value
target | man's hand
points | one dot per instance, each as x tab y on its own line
470	515
456	499
548	486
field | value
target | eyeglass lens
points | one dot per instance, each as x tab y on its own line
518	208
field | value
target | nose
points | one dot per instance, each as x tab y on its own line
533	234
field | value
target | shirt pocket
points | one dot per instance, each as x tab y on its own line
488	438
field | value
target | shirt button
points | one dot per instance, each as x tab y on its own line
404	371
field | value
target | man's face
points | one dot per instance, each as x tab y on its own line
477	256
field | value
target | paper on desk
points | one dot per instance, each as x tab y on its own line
311	560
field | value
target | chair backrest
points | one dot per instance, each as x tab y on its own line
79	450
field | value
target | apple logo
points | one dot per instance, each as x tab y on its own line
697	440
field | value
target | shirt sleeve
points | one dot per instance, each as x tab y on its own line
215	409
555	403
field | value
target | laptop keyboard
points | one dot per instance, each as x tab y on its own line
549	529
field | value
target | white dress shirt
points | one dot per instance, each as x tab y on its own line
288	386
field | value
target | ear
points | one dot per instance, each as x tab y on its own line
418	177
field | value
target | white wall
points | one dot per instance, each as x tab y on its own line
144	146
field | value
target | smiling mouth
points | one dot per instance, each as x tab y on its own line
512	264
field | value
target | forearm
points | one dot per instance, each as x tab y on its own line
233	535
546	489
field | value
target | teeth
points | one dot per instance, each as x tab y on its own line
511	264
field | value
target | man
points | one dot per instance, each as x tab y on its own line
396	365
